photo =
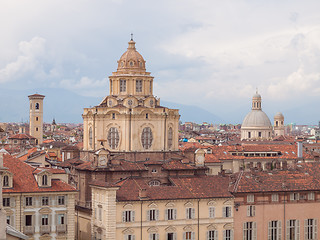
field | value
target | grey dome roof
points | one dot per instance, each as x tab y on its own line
256	118
256	95
279	115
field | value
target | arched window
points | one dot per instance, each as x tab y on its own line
45	180
113	138
146	138
6	181
90	136
154	183
170	137
37	106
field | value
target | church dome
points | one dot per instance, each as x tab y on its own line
131	59
256	118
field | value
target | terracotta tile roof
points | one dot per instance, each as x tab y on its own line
24	180
28	153
194	187
22	136
300	177
52	170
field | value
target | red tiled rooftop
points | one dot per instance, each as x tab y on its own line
24	180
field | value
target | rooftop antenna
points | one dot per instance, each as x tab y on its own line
256	90
131	36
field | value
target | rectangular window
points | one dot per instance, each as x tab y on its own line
249	231
293	229
128	216
212	235
259	133
171	214
294	196
310	229
190	213
226	211
130	237
250	198
6	202
45	220
251	211
171	236
60	200
227	234
154	236
274	230
211	212
311	196
123	85
61	219
275	197
45	201
188	236
28	220
138	85
28	201
8	220
153	214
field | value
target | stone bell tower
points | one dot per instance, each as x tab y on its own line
36	117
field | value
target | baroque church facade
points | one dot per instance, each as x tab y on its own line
131	118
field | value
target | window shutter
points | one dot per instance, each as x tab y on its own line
254	237
148	215
174	214
187	217
269	230
224	234
306	229
291	197
174	236
298	230
193	213
279	230
315	228
288	229
211	212
244	231
231	234
157	236
208	232
133	237
123	216
215	234
12	202
254	210
166	214
224	210
229	211
184	236
192	235
157	214
133	213
150	236
248	211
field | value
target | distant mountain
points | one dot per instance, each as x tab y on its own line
193	113
66	107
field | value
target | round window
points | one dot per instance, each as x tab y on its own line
110	103
151	102
130	102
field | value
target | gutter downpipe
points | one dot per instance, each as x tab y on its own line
141	220
198	219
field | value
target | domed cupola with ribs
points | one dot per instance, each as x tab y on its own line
131	118
256	125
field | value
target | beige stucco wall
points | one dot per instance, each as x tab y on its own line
141	227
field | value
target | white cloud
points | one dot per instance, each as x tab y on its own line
27	61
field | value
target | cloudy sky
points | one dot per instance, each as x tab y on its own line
208	53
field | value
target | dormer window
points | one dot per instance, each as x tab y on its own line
45	180
6	181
